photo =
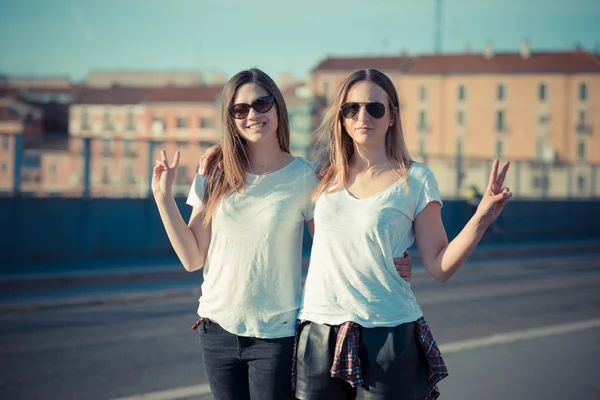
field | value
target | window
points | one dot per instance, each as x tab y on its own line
583	92
326	88
129	122
581	151
460	118
461	93
541	182
459	148
107	121
182	175
581	183
581	118
4	167
542	92
53	168
182	122
205	122
105	174
85	122
5	142
129	174
158	124
422	92
106	147
500	91
500	121
422	120
422	149
128	147
499	148
539	149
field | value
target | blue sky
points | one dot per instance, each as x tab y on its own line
72	37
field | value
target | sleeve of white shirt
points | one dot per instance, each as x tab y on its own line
197	191
310	182
429	192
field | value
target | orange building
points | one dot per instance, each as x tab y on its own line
459	111
127	127
20	125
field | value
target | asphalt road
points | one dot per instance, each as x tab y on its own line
526	328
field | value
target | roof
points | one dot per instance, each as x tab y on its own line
568	62
189	94
556	62
115	95
354	63
120	95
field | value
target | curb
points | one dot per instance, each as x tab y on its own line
32	283
99	300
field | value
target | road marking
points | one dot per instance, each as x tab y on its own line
172	394
448	348
516	336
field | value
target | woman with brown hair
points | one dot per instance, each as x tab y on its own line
246	231
362	333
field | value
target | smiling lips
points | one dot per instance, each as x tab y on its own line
257	125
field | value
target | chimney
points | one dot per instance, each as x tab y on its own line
488	52
525	49
467	49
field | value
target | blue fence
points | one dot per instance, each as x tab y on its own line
103	228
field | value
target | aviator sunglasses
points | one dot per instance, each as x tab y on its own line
260	105
374	108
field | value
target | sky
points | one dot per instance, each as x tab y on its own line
73	37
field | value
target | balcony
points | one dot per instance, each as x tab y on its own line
583	128
422	128
501	128
130	153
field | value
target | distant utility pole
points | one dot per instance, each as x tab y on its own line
438	27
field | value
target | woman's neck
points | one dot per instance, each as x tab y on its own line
266	157
367	157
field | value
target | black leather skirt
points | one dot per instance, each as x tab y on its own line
392	362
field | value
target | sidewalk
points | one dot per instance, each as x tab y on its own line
54	285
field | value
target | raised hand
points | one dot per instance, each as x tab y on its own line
495	196
164	175
207	159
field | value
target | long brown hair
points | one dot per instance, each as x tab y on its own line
234	149
335	146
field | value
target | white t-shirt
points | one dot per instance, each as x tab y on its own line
252	275
352	276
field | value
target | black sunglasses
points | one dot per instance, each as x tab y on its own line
374	108
260	105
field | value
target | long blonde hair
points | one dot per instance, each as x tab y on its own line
335	146
234	149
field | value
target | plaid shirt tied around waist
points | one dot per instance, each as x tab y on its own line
346	362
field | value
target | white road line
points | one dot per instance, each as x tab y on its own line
448	348
172	394
516	336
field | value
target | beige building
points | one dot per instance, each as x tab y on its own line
541	111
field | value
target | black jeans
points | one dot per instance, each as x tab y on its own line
244	368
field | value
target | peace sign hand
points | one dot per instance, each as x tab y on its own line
495	196
164	175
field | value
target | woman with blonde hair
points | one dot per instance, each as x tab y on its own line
362	333
246	231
